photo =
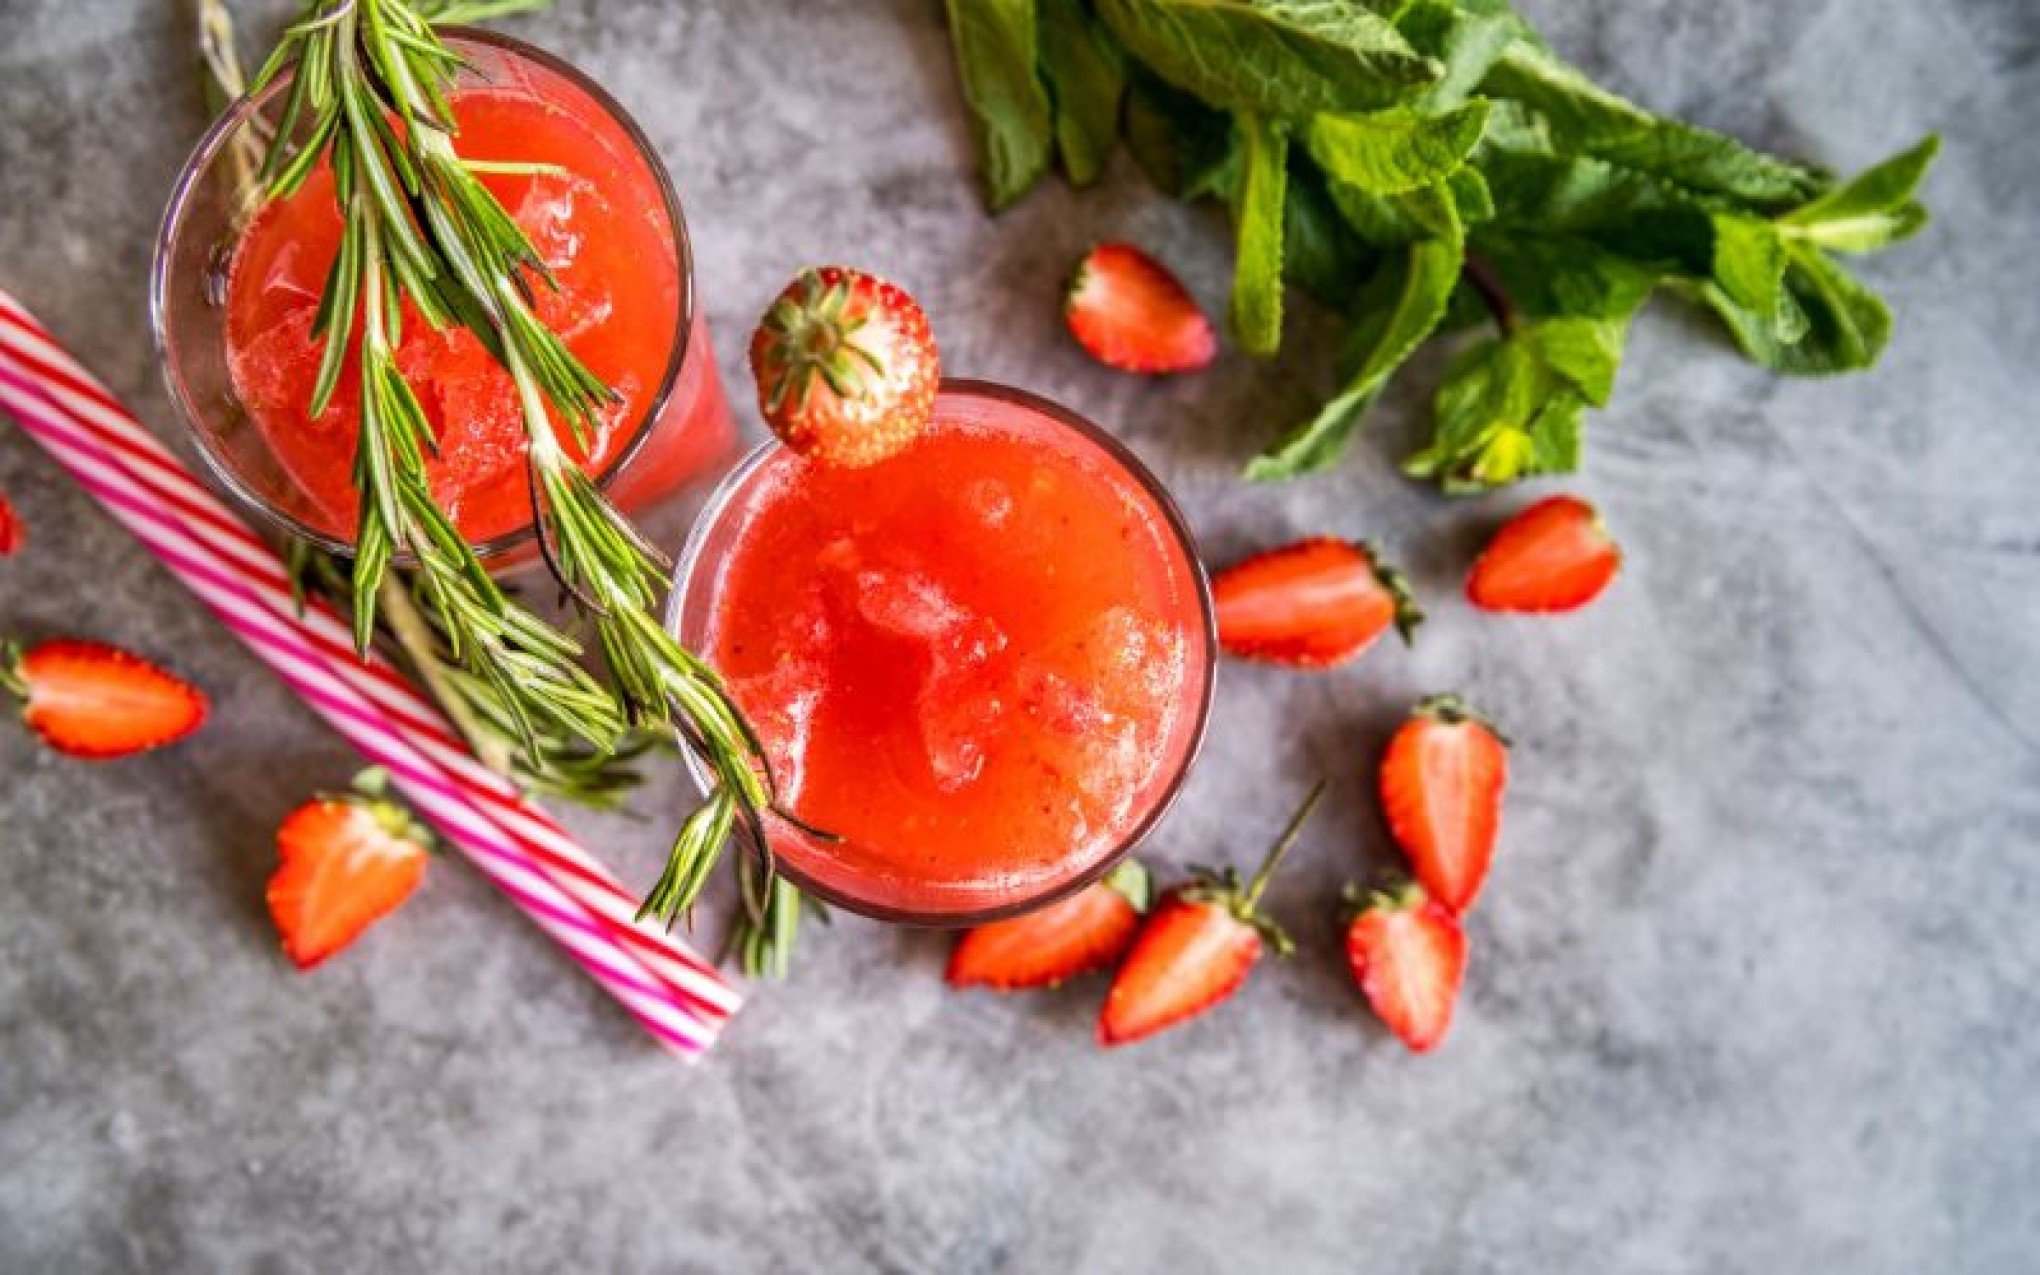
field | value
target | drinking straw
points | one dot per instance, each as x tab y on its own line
668	987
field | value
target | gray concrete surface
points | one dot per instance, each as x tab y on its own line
1754	988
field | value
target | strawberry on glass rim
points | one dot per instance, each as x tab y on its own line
846	366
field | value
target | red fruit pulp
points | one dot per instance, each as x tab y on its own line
982	663
602	227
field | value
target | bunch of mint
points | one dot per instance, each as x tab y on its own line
1428	166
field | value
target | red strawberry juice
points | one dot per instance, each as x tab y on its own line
982	663
603	227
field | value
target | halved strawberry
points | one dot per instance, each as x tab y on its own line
1197	948
1441	788
1085	932
1554	556
846	367
94	701
1311	604
1409	956
345	862
1127	310
13	532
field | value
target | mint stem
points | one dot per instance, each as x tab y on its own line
1496	297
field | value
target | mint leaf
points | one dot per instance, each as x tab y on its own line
1257	263
1465	39
1873	211
995	58
1394	221
1749	267
1471	195
1397	150
1086	74
1186	148
1320	252
1400	307
1578	115
1397	311
1504	413
1585	352
1552	275
1845	324
1288	58
1613	208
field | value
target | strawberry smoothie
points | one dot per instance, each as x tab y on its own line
600	220
983	664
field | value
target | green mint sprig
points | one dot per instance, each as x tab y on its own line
1426	166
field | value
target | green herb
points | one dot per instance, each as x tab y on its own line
1086	78
996	52
368	96
1449	170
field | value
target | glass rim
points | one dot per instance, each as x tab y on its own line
199	165
719	503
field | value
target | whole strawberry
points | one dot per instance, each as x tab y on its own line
846	367
1197	947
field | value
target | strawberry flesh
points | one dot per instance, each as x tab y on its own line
96	702
1130	313
1085	932
1188	957
1408	954
13	532
1554	556
344	864
1442	781
1311	604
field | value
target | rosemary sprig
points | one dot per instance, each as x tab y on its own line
369	94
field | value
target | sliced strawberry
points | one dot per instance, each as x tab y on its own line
1409	956
1311	604
345	863
13	532
1087	931
1130	313
846	367
1197	948
1554	556
94	701
1441	787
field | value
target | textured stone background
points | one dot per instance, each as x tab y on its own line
1754	988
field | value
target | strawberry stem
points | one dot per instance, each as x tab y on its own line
1252	898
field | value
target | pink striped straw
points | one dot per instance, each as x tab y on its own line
94	408
667	987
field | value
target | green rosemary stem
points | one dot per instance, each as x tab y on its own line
421	649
